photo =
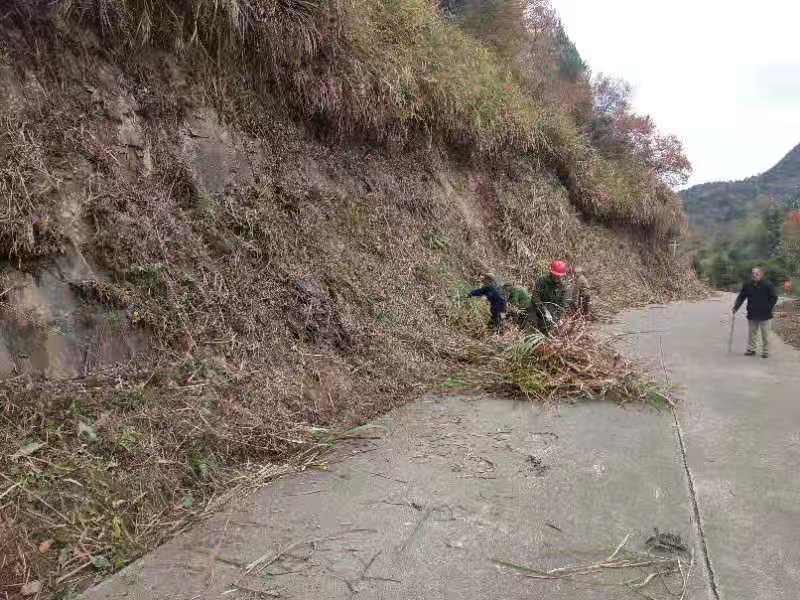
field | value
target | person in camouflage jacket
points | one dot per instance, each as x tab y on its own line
552	298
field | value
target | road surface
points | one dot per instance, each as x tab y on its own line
740	420
458	489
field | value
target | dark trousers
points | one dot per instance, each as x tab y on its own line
496	322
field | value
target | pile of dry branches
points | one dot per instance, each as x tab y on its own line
569	364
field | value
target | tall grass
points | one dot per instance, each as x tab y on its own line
30	191
385	70
382	68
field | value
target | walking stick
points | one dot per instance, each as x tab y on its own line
730	337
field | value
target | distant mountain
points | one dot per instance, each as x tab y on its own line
711	205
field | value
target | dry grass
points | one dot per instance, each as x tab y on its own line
787	322
14	569
537	218
320	295
569	365
28	219
390	72
623	191
96	472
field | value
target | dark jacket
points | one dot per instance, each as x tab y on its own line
761	299
497	301
553	293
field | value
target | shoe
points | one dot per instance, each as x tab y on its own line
750	353
765	355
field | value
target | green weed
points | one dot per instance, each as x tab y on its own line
455	383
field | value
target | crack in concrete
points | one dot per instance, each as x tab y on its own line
698	518
712	577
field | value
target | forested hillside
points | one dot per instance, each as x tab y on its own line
711	206
749	222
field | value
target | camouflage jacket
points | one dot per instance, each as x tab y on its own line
518	297
553	293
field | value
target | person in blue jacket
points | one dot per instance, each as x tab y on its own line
497	300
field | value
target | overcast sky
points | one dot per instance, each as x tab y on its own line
724	76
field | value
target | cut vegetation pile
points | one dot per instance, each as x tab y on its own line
275	208
570	364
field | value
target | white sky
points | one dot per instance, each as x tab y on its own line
724	76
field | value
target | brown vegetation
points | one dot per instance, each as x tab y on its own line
398	72
787	322
291	280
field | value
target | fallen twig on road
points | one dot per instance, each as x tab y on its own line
656	568
262	562
687	577
620	547
576	570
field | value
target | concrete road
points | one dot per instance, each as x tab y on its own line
456	488
741	426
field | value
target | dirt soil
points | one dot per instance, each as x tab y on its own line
787	322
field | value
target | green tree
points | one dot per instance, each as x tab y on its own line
776	270
571	64
773	218
722	272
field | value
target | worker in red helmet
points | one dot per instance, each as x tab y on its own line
552	297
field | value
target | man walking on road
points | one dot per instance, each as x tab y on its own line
761	299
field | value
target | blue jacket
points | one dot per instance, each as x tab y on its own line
497	301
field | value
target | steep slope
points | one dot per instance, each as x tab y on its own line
231	230
710	205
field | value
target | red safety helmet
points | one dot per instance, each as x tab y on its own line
559	268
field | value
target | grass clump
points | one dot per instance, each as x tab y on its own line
29	228
626	192
99	480
467	314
